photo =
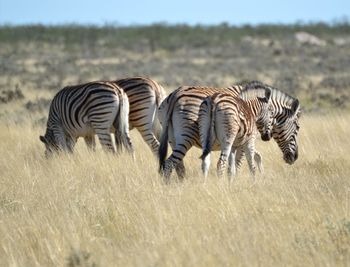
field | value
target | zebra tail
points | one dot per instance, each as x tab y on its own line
121	125
163	146
209	128
160	96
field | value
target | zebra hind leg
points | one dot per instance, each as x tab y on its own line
70	143
226	147
167	169
105	139
221	166
231	170
90	142
239	158
206	165
150	139
180	170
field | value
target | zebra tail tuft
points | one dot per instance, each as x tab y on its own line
163	147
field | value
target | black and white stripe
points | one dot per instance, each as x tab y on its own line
83	110
145	96
178	115
228	123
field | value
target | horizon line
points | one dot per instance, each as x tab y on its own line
334	22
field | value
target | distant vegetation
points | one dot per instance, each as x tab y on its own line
47	58
163	35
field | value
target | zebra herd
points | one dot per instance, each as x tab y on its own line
226	119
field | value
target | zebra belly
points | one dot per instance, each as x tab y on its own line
82	131
216	146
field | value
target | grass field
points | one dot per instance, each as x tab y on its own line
94	209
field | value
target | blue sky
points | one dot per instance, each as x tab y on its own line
128	12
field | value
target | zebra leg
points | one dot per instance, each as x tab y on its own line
249	149
150	138
231	171
206	165
180	170
175	161
239	157
143	118
104	135
169	165
61	139
167	169
258	161
221	166
70	141
90	142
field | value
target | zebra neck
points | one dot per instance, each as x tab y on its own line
254	107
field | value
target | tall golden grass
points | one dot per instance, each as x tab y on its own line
94	209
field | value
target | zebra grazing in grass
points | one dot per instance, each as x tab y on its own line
84	110
229	122
178	115
145	96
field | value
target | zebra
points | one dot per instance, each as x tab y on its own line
178	115
230	122
84	110
145	96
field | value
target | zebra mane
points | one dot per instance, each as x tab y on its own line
278	96
248	94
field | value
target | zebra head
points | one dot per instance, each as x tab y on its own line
265	117
285	131
50	143
259	100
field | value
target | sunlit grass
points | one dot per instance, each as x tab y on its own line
95	208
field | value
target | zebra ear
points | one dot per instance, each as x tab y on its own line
43	139
295	107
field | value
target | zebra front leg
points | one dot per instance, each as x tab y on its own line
249	149
206	165
90	142
61	139
258	161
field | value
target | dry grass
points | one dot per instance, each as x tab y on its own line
97	210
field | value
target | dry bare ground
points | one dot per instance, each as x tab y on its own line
94	209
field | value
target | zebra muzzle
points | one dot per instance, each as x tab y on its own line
266	136
290	157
